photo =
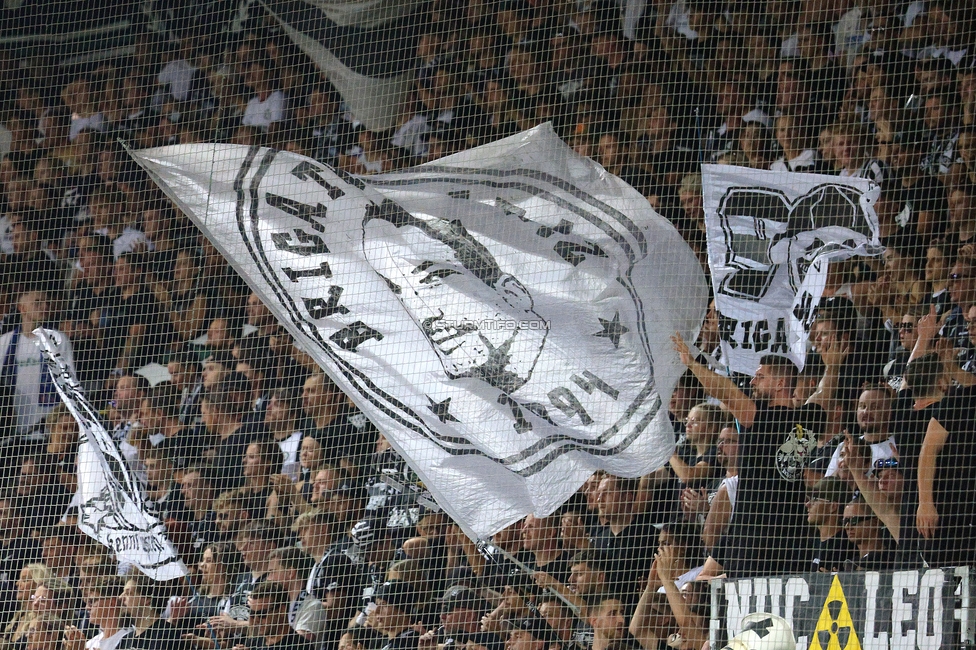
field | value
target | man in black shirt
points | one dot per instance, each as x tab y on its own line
394	615
876	551
269	620
540	537
769	533
825	501
627	538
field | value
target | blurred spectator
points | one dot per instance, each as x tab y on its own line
825	504
874	545
27	391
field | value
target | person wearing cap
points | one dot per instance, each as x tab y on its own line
269	621
532	633
394	615
461	609
825	502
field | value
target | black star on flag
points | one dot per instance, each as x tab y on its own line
761	628
612	329
442	410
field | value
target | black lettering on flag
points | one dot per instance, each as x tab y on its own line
322	271
312	215
323	308
351	337
563	399
589	382
576	253
307	171
307	244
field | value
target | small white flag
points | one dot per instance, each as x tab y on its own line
113	509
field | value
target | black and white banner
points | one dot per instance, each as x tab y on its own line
503	314
770	238
366	49
113	510
923	609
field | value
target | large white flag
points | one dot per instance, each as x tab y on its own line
770	238
113	509
502	314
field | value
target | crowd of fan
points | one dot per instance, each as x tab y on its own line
301	525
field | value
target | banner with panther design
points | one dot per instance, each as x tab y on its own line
771	236
502	315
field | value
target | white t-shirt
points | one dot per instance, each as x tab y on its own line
731	484
101	642
289	447
179	76
79	123
807	158
29	404
879	451
264	114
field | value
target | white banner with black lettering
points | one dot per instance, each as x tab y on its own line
113	509
503	314
770	238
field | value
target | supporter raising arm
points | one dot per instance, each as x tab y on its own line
776	441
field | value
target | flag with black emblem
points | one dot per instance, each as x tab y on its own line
771	236
502	315
112	508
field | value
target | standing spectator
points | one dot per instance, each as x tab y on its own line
873	415
540	537
27	391
289	567
281	419
198	495
137	331
625	534
223	409
773	447
89	306
29	579
946	508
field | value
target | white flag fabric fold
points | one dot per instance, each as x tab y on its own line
771	236
502	315
113	510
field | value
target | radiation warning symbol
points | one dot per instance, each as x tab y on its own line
835	628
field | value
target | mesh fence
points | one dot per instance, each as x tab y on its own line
313	394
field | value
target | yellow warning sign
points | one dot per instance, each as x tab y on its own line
835	627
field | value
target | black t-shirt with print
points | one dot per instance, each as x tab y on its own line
769	533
